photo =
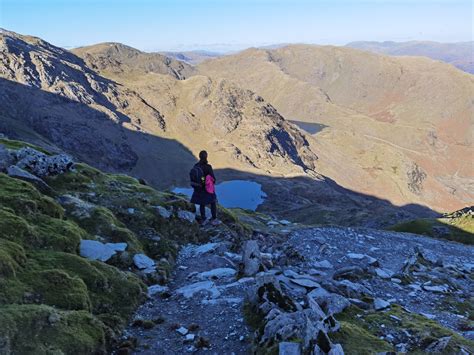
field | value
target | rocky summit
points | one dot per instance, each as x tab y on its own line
359	159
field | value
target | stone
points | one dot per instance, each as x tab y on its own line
324	264
251	258
189	291
333	303
18	173
154	290
217	273
205	248
351	289
272	223
380	304
95	250
438	346
383	273
356	256
289	348
189	338
313	305
131	210
163	212
187	216
436	288
77	207
41	164
349	272
118	247
284	222
142	261
182	330
305	283
428	315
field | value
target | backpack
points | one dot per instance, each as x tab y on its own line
210	184
196	176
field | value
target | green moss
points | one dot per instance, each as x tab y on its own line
423	330
39	329
459	229
56	288
12	258
25	200
110	290
60	235
15	228
16	145
356	340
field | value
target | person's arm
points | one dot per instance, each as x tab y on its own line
211	172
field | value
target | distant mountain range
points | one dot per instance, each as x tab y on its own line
460	54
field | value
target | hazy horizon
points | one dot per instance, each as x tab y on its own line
233	25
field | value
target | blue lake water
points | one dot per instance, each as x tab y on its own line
234	193
311	128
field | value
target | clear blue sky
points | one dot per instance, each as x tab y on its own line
235	24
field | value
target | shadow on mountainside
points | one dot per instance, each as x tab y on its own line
48	119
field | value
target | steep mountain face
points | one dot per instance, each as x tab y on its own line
458	54
119	58
393	127
149	127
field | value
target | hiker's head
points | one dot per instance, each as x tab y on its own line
203	156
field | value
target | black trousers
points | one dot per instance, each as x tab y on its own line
202	210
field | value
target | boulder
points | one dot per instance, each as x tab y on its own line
349	272
157	290
380	304
142	261
163	212
251	258
218	273
18	173
324	264
331	303
118	247
189	291
41	164
77	207
187	216
305	283
383	273
438	346
95	250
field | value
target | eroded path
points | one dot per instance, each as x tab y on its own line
201	308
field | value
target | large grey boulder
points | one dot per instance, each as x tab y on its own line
251	258
18	173
95	250
142	261
41	164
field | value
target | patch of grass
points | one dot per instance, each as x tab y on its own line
459	229
423	330
358	341
16	145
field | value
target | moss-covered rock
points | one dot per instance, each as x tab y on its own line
39	329
12	258
395	321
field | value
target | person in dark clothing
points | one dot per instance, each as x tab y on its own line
200	196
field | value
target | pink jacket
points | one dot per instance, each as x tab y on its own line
210	187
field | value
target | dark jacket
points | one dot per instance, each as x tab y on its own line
200	195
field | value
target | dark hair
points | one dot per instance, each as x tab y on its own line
203	156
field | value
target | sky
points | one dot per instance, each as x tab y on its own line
227	25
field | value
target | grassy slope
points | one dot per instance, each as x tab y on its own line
459	229
51	299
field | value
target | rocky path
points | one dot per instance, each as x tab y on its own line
308	278
199	311
423	274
